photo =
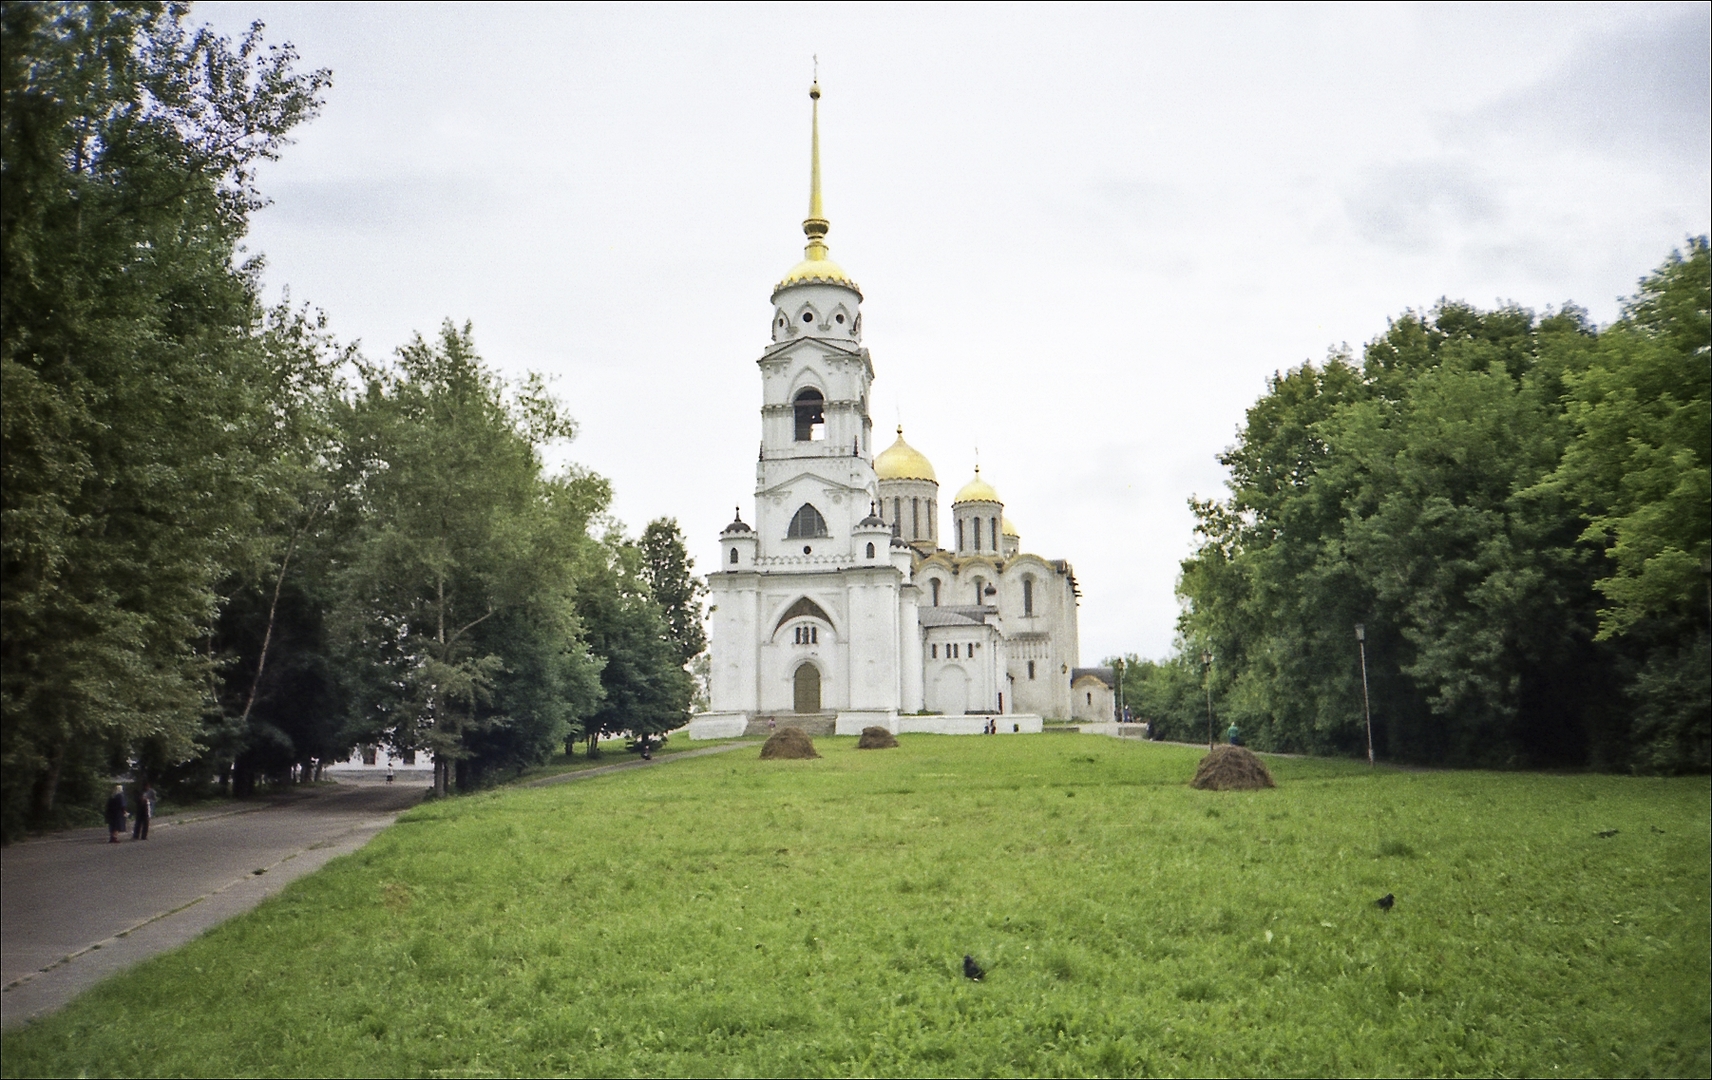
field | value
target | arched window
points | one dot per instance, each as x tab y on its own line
977	523
733	556
933	583
1028	595
811	416
994	522
870	551
806	524
959	532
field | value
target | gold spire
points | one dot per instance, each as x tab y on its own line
815	226
816	267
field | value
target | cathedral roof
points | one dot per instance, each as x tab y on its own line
977	490
901	461
1007	528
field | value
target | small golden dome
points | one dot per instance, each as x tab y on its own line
1007	528
977	490
821	271
901	461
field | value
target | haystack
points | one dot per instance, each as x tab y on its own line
1231	768
788	743
876	738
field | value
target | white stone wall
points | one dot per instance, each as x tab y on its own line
913	506
1091	699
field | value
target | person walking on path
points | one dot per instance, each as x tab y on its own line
115	813
145	811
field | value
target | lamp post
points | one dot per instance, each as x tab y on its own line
1119	664
1366	708
1207	680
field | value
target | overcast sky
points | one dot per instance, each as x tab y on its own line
1085	236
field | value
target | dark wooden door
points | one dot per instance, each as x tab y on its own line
808	689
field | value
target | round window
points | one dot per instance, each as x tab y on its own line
808	316
839	317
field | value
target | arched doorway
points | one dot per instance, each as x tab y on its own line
807	696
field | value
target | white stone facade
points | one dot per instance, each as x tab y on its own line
836	606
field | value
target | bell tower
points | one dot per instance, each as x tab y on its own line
815	478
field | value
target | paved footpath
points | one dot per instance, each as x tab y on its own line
75	909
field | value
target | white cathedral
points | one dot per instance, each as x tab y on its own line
838	608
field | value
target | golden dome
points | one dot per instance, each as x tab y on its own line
813	271
1007	528
901	461
977	490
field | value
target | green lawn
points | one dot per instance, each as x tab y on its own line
727	915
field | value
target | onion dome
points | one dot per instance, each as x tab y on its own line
977	490
872	521
737	526
901	461
1007	528
816	268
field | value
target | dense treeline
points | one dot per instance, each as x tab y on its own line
233	549
1516	507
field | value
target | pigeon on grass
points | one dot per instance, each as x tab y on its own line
1384	903
972	970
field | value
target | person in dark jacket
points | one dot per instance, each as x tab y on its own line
145	811
116	814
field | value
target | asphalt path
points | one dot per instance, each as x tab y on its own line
75	908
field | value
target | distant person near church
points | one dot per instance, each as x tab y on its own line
145	811
115	813
1234	734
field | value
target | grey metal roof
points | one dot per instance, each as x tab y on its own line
1104	674
953	616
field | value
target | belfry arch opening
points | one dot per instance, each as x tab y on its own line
811	416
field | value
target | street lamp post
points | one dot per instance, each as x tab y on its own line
1366	708
1207	680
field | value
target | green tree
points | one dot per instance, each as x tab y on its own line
455	600
668	570
135	371
646	690
1455	493
1640	470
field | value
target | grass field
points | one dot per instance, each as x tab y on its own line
727	915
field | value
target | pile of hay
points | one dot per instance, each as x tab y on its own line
876	738
788	743
1231	768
